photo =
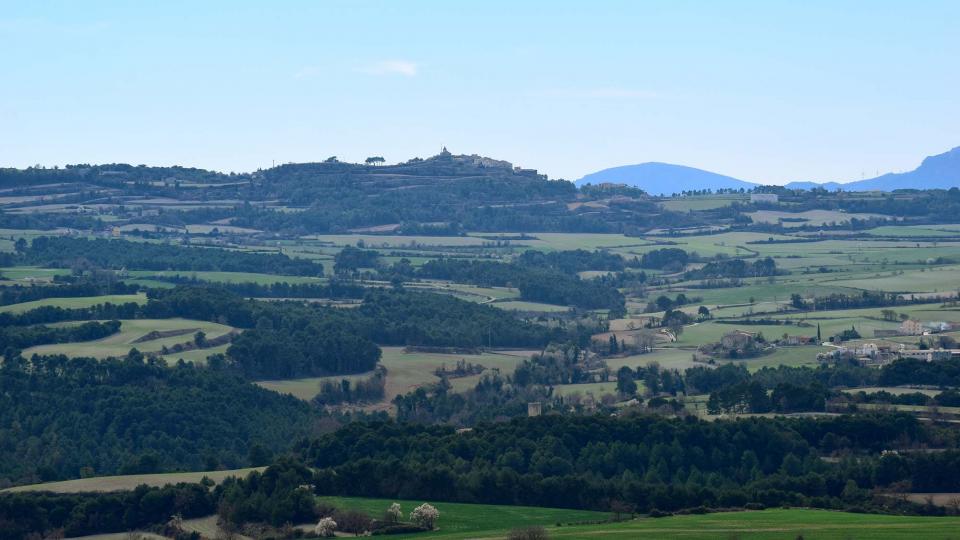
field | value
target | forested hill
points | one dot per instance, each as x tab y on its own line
442	195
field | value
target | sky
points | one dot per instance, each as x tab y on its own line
767	91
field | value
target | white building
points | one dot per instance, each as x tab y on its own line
764	197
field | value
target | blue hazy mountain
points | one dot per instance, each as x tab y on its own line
664	178
941	171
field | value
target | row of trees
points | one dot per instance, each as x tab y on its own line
65	288
22	337
67	252
291	339
645	461
536	283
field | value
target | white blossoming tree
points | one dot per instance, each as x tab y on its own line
425	515
394	513
325	527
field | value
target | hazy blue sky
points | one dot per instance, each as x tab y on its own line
765	91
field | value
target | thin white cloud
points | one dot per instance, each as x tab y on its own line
391	67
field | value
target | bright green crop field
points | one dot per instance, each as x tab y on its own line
475	521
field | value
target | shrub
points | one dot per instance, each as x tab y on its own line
529	533
325	527
425	515
353	521
399	528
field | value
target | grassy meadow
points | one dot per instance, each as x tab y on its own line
474	521
129	482
75	302
407	371
119	344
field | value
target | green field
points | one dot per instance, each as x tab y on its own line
596	389
474	521
519	305
120	343
32	273
811	217
407	371
686	204
197	356
76	302
463	521
778	524
934	279
905	231
679	359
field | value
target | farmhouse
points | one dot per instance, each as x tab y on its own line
930	355
798	340
911	327
738	339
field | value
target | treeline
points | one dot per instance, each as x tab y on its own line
54	314
947	398
498	396
633	463
392	317
576	260
733	389
863	299
670	259
371	388
44	514
65	418
15	294
66	252
735	268
547	284
280	339
291	339
335	289
751	397
645	462
944	373
22	337
493	398
350	258
280	494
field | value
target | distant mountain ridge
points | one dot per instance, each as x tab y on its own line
941	171
664	178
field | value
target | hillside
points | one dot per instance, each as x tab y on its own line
445	194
